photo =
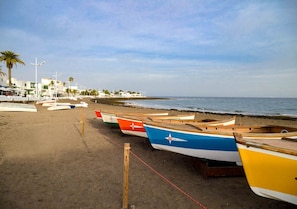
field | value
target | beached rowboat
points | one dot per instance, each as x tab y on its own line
17	107
131	126
50	104
270	166
217	144
81	104
65	106
98	114
59	107
134	125
45	102
111	118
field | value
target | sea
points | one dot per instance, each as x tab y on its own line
285	107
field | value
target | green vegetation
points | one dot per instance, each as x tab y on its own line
10	58
69	90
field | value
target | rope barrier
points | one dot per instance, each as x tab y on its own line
168	181
161	176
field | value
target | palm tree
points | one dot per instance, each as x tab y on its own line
52	83
71	79
10	58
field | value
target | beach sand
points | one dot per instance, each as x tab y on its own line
45	162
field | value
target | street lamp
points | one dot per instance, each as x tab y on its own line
36	84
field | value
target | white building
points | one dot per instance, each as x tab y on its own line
3	84
23	88
3	79
47	88
52	88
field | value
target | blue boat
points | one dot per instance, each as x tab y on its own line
192	142
208	142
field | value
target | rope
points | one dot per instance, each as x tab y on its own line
161	176
168	181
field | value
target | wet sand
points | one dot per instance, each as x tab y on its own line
45	162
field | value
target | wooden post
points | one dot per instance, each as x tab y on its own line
83	128
126	175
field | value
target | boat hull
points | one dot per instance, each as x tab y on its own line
270	174
209	146
110	119
81	104
132	127
61	107
17	107
98	114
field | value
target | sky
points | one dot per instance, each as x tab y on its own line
157	47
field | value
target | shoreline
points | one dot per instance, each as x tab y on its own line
121	103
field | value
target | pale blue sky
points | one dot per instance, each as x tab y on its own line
162	48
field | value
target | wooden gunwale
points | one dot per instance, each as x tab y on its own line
252	130
249	131
275	145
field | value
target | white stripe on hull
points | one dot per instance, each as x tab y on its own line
228	156
135	133
275	195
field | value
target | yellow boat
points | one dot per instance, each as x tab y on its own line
270	166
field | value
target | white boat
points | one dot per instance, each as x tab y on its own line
51	104
111	118
44	102
62	104
17	107
82	104
134	125
208	142
59	107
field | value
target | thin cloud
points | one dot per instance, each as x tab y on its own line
157	45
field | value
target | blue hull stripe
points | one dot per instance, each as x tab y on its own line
191	140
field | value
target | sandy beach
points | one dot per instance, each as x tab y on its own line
45	162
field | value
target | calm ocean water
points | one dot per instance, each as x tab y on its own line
244	106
